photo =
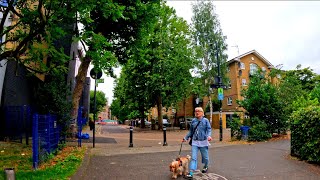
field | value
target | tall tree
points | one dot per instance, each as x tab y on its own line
262	101
101	101
158	71
211	46
109	29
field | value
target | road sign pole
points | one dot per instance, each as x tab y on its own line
220	87
95	113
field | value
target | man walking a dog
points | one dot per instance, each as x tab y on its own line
200	135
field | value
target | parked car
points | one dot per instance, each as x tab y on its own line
147	123
183	123
165	122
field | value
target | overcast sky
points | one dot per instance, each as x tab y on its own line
286	33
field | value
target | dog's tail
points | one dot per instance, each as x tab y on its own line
188	157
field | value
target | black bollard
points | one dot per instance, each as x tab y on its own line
131	130
164	136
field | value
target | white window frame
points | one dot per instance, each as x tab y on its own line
229	101
244	82
253	68
242	65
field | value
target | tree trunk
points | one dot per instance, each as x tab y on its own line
210	110
77	92
159	107
185	113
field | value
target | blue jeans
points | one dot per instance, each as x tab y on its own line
194	156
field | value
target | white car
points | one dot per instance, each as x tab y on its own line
147	123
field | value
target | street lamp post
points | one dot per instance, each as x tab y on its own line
95	113
219	86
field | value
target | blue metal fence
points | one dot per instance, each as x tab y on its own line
81	121
46	135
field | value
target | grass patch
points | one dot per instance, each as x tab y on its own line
61	166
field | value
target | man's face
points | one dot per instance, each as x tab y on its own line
199	113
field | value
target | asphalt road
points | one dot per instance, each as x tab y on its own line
267	160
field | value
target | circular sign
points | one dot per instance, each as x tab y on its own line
95	75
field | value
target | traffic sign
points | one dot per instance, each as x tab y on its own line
100	80
220	93
220	97
95	74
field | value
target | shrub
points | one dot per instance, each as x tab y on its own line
305	136
258	130
234	124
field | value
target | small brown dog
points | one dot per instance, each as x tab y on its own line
180	166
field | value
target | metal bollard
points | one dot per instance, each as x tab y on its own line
10	175
131	130
164	136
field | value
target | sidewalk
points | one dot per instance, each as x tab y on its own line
144	141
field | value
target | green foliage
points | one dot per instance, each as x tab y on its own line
261	101
306	77
101	101
210	45
19	156
305	137
315	93
258	130
158	69
234	123
51	98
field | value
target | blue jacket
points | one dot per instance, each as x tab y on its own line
202	132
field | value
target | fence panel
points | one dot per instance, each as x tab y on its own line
46	135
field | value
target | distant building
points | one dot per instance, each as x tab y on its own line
239	71
105	113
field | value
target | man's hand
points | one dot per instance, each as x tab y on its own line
183	140
209	138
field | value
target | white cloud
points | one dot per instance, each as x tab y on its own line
285	32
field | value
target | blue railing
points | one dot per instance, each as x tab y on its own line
81	121
46	134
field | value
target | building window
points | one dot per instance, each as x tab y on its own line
279	76
244	82
263	69
242	65
229	84
229	101
228	69
253	68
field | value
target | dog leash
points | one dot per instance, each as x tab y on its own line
180	149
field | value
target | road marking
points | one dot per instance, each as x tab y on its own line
208	176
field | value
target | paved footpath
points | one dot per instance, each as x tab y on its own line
112	159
